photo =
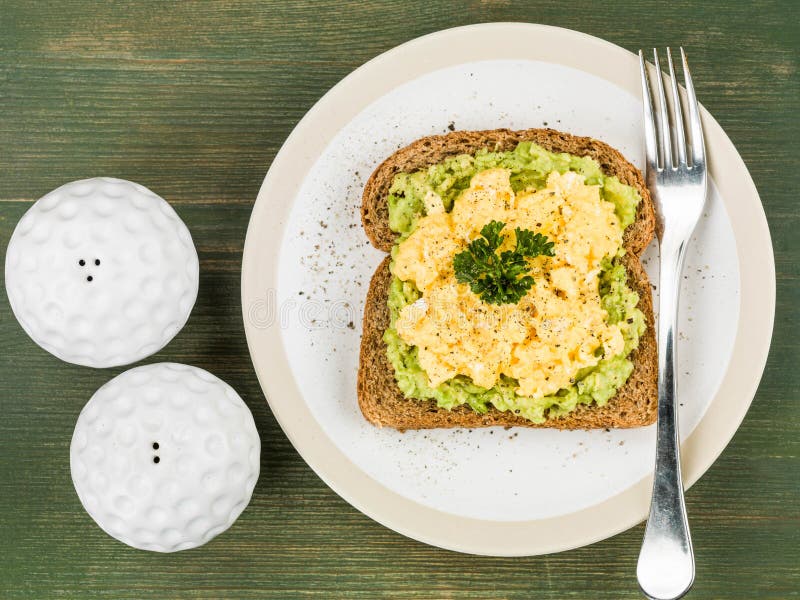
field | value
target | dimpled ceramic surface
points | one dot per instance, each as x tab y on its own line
101	272
165	457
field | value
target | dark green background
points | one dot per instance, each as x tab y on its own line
193	100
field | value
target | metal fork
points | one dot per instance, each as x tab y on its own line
677	180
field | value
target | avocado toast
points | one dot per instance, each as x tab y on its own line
381	399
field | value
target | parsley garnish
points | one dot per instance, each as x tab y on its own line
500	278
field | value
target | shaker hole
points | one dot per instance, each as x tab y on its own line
155	445
89	278
81	262
156	460
97	261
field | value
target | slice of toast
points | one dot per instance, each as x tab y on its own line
379	398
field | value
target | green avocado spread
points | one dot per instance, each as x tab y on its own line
530	165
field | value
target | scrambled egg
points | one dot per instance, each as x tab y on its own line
556	330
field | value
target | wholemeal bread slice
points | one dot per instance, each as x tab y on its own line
379	398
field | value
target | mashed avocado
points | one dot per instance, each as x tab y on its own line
529	164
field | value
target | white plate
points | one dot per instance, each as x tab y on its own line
307	266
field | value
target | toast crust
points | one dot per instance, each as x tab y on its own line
381	401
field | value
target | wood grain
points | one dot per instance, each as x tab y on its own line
193	100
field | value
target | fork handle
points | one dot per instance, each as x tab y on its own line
666	562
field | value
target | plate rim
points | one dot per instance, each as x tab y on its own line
269	218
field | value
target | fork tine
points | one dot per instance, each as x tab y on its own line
664	142
680	136
695	126
649	117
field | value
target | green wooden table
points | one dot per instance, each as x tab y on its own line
193	100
